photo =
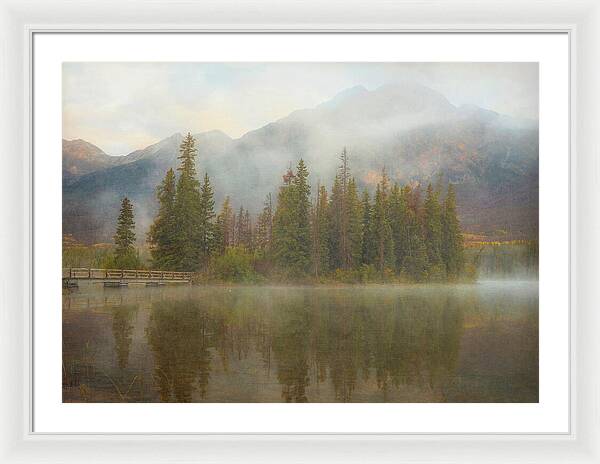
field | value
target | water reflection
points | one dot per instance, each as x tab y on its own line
122	327
415	344
177	335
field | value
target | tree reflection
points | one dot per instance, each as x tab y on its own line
177	334
318	344
290	348
122	329
406	340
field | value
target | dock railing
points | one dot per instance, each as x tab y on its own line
81	273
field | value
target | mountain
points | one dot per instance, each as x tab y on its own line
411	130
81	157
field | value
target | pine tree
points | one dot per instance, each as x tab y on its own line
336	249
344	250
302	194
125	256
368	249
354	221
223	232
345	221
242	226
415	263
432	226
248	236
399	223
382	231
162	232
291	223
187	249
264	226
452	241
206	232
414	201
320	233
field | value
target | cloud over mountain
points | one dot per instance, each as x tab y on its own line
411	130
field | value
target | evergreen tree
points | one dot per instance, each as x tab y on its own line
125	254
414	201
336	247
382	230
368	248
162	232
206	232
385	183
320	233
452	241
354	221
248	236
345	221
302	197
432	226
399	223
187	246
243	226
224	226
291	223
415	263
264	226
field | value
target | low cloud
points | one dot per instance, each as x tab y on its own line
121	107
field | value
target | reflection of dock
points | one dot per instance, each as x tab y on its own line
91	296
123	277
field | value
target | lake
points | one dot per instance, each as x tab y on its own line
377	343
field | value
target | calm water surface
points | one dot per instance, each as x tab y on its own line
461	343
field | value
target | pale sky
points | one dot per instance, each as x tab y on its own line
121	107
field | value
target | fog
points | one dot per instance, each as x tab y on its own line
121	107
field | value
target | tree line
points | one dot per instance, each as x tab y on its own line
338	234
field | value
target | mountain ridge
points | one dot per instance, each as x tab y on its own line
412	131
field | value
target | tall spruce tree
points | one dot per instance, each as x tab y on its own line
125	255
187	249
432	226
264	226
336	225
320	233
224	225
249	236
368	248
243	226
302	194
345	220
416	262
161	236
354	211
452	239
382	230
344	205
399	223
291	223
206	232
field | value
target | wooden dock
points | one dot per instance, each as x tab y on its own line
122	277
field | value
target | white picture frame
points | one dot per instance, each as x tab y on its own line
19	22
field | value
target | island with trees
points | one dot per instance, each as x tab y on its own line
303	235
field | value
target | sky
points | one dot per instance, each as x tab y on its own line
121	107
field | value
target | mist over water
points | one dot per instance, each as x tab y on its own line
421	343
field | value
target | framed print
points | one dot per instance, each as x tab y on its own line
362	237
375	249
